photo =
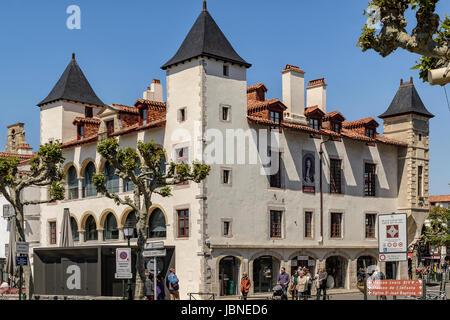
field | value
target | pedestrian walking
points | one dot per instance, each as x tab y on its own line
149	288
283	280
160	292
322	283
293	286
245	285
309	283
172	284
302	285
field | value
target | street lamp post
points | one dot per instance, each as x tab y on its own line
128	232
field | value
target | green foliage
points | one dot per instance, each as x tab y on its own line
385	41
438	231
8	170
57	191
429	63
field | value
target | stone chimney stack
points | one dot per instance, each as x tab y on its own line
294	90
316	94
154	92
16	138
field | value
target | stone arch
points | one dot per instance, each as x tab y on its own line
123	217
101	165
303	252
84	218
336	253
103	216
266	253
153	208
66	168
76	220
84	165
365	253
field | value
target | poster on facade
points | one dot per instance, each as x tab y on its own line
392	233
308	172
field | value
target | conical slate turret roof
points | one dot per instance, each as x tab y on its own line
73	86
407	100
206	39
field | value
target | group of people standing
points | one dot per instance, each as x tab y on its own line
172	284
299	285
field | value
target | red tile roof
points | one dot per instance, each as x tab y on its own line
151	103
256	87
332	115
314	109
16	155
127	109
293	68
360	123
441	198
87	120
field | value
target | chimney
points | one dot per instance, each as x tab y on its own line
316	94
154	92
293	89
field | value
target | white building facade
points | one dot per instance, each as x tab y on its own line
240	220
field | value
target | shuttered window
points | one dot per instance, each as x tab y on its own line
275	224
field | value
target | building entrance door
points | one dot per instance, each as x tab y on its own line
336	268
265	272
229	276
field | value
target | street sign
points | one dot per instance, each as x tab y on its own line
154	253
392	233
22	261
407	288
123	260
127	275
8	211
159	265
392	257
154	245
22	248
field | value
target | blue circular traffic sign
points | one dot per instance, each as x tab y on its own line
123	255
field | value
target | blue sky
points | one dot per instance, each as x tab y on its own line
122	44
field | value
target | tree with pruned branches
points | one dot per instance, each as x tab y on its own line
386	31
44	170
145	168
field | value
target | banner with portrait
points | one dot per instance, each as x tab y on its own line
309	171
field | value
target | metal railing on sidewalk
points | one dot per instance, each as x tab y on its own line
207	295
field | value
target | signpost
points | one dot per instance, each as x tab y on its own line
409	288
393	237
22	250
151	252
21	261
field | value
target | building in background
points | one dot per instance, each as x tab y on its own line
238	220
16	146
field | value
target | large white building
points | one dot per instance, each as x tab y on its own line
239	219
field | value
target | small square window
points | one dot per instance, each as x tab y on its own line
182	115
226	176
226	70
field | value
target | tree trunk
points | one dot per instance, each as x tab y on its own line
414	264
20	236
140	261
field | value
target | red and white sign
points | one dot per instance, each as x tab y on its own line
392	257
392	234
407	288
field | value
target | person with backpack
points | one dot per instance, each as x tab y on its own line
245	285
172	284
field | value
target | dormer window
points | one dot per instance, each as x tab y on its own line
336	127
110	127
370	132
80	132
89	112
314	123
143	114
